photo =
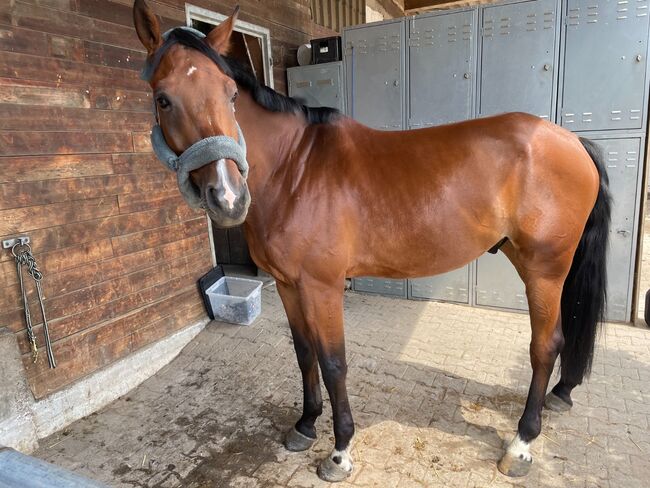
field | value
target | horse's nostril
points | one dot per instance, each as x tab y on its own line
211	197
222	199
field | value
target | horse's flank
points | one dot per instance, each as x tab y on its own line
360	196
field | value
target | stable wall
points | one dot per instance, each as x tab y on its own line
119	248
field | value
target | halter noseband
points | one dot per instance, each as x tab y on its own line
203	151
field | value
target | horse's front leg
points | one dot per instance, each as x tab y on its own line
322	311
303	435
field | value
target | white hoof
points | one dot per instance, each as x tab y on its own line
517	460
336	467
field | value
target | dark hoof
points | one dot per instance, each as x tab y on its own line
514	466
328	470
296	442
555	403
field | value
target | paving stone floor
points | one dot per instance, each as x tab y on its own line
436	389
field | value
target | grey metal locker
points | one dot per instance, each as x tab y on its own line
374	63
318	85
381	286
441	68
452	286
518	57
498	284
622	156
606	45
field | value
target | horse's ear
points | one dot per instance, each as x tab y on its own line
147	26
219	37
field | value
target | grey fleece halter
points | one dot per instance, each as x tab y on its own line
198	154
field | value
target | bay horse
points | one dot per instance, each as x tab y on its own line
327	198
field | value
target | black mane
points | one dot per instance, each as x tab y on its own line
262	94
274	101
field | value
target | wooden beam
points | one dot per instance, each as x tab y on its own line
422	4
392	7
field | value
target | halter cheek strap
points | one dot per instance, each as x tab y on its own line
198	154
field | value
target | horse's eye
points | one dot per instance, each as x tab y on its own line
163	102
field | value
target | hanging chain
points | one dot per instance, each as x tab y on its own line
25	258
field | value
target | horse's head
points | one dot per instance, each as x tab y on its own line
195	99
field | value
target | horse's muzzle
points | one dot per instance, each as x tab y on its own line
226	198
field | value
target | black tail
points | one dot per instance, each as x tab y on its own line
584	295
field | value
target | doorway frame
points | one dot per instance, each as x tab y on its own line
192	12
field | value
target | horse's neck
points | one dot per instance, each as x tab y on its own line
271	139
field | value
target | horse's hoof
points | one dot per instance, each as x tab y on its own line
330	471
296	442
556	404
514	466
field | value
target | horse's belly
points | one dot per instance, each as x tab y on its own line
409	256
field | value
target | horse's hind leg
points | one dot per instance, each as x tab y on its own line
303	435
559	398
544	291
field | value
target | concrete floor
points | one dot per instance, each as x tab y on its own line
435	390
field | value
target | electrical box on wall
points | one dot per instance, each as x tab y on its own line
319	85
326	50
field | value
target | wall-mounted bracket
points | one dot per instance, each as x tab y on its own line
9	243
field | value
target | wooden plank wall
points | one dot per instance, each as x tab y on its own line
119	249
338	14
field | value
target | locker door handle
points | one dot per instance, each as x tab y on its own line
466	76
638	58
396	83
547	67
623	232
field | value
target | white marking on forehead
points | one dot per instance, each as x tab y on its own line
191	70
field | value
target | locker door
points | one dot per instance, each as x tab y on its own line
518	45
319	85
450	287
374	57
622	156
605	64
381	286
498	284
442	63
